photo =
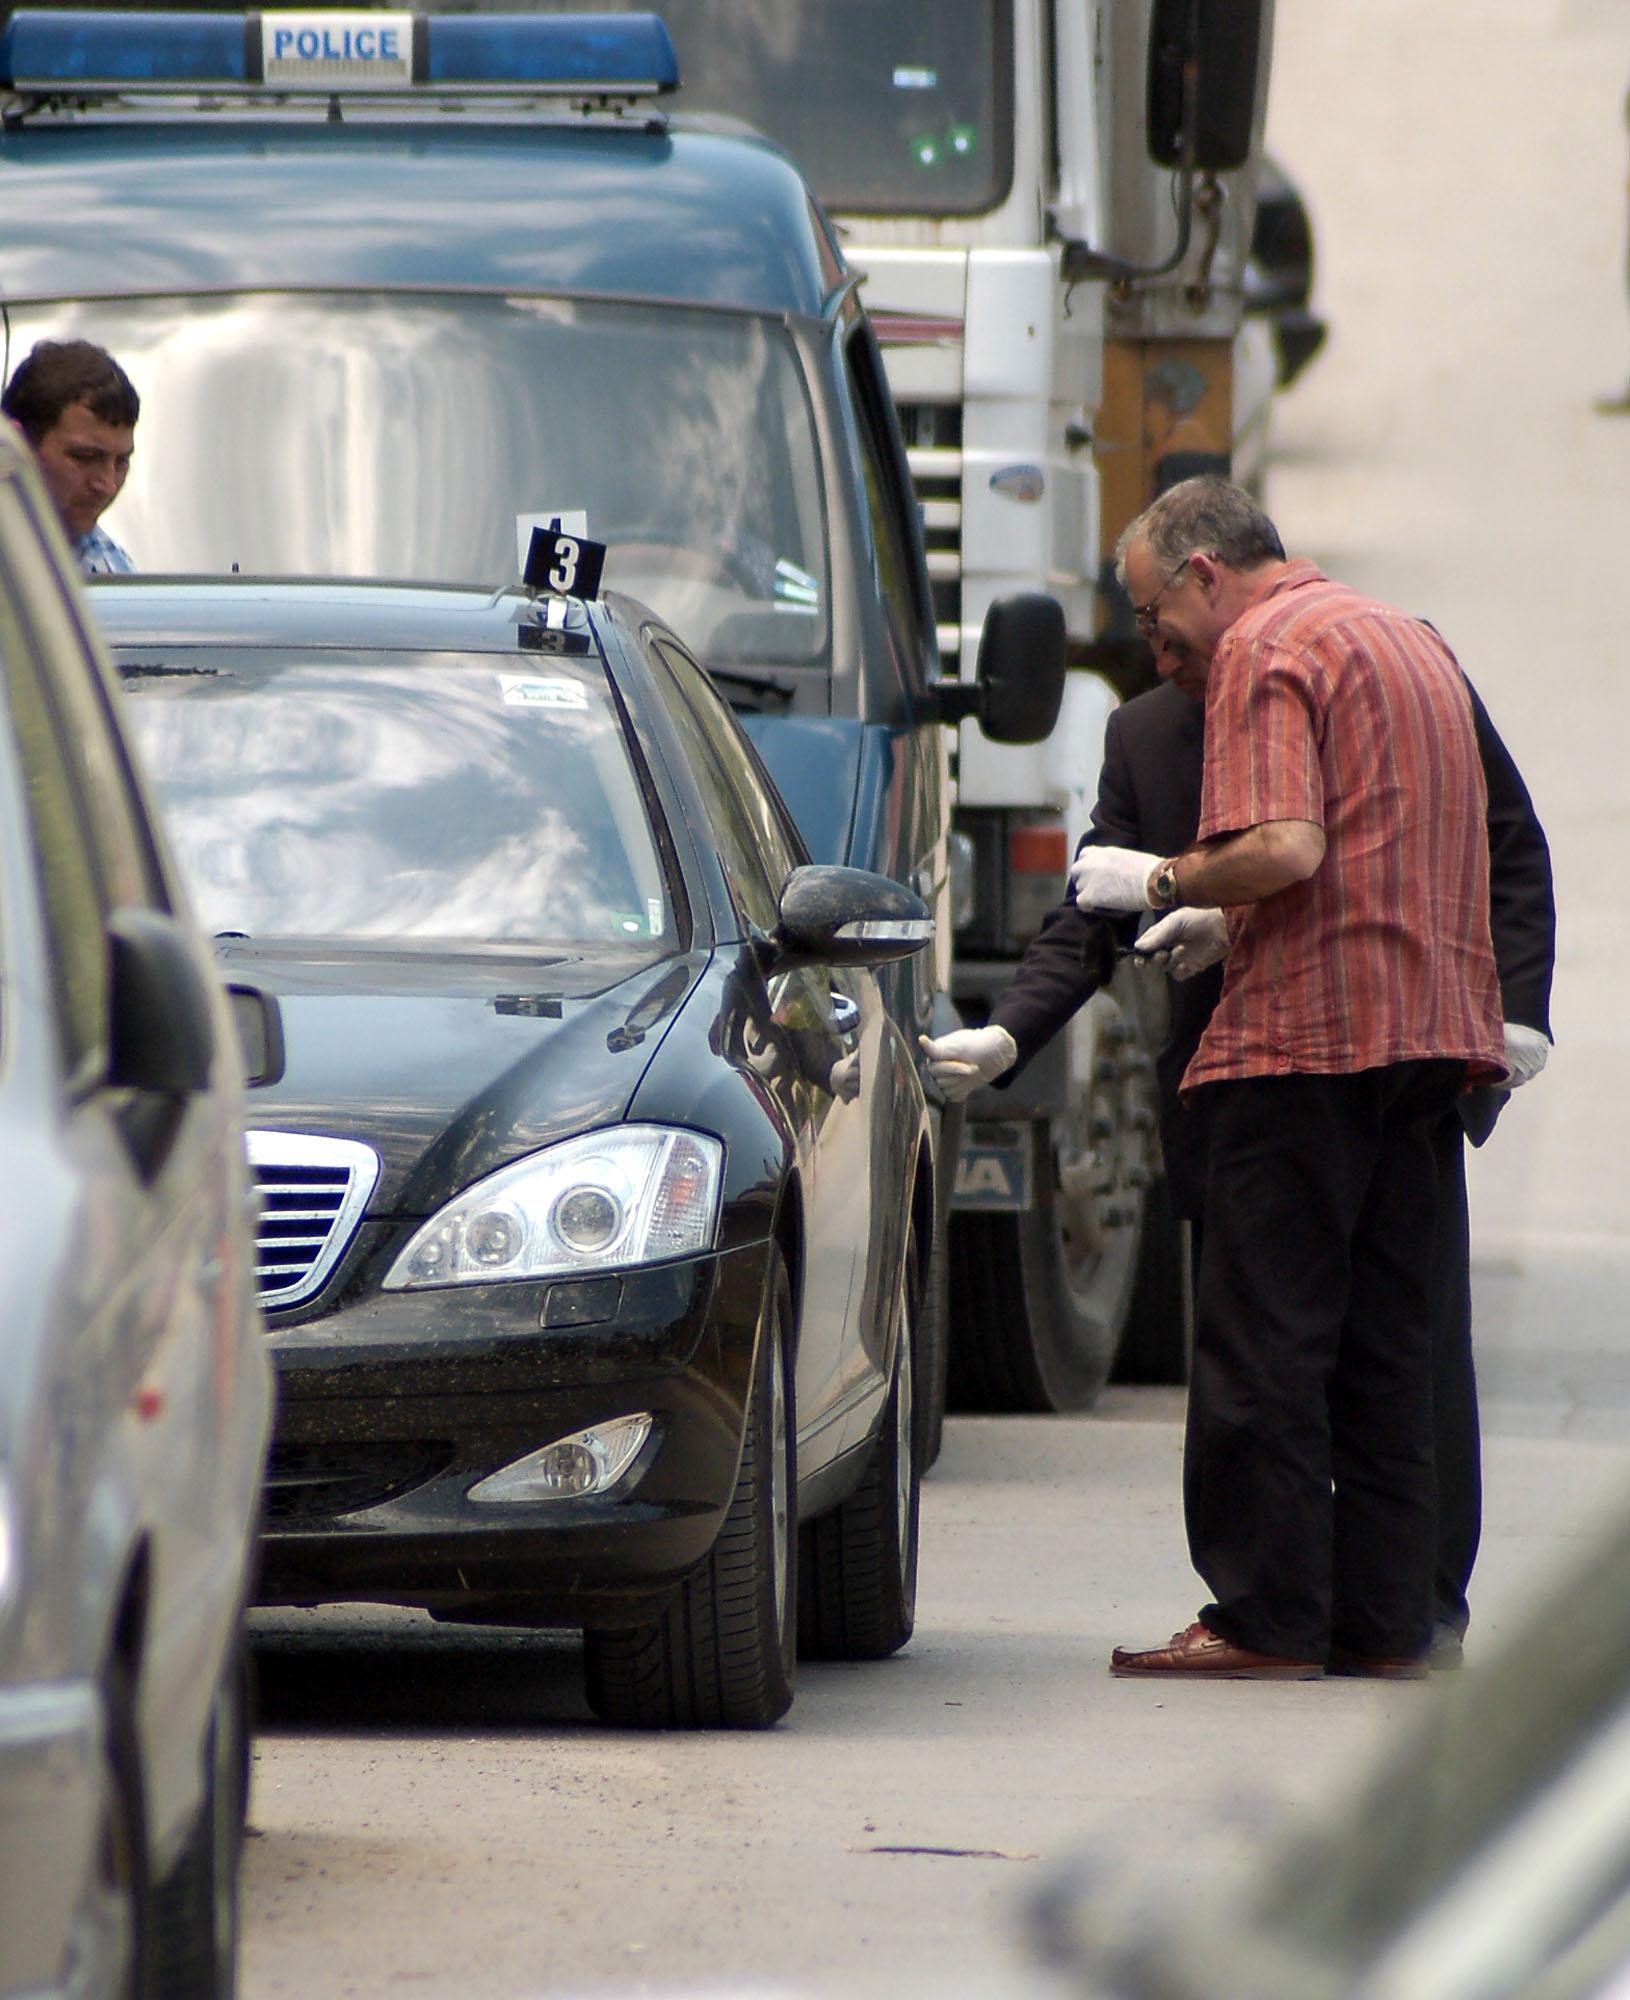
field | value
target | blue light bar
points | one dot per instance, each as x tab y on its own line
336	52
40	51
603	55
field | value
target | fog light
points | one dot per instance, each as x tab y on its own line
589	1461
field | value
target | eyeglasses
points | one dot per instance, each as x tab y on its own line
1148	615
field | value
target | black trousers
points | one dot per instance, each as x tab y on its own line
1310	1488
1457	1439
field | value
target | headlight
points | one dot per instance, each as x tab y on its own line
631	1195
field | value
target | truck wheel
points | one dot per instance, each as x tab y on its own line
721	1655
857	1566
1154	1346
1041	1297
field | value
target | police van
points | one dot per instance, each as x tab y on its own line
396	290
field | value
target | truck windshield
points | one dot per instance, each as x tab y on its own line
405	435
893	107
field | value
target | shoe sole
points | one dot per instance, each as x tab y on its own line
1292	1671
1413	1670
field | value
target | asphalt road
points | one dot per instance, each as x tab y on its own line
436	1813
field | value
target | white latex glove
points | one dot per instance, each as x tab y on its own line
1113	878
1186	942
1526	1050
967	1057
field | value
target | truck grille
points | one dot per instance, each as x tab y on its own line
933	435
313	1193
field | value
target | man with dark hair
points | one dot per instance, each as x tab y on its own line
78	409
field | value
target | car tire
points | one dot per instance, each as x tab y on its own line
195	1908
722	1654
933	1337
857	1565
118	1925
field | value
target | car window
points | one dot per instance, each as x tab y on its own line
885	504
778	840
752	871
407	796
75	918
114	819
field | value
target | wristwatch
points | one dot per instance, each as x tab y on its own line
1163	891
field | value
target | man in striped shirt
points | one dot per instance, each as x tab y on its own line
1343	830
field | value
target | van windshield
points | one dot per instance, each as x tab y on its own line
889	106
406	435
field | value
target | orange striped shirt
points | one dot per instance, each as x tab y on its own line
1325	706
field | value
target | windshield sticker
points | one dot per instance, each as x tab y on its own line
653	916
916	79
796	586
626	920
533	691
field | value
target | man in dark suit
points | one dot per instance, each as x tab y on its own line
1149	799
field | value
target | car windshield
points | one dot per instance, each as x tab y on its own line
426	797
406	436
889	106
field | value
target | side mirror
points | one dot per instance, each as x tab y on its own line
1018	682
161	1031
259	1023
845	916
1204	57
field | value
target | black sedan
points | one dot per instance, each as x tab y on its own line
596	1173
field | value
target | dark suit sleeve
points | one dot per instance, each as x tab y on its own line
1073	953
1522	907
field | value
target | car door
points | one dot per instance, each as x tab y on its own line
157	1296
826	1024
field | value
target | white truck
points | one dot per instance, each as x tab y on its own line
1053	203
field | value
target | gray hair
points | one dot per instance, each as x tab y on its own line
1208	514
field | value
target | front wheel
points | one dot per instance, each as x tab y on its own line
857	1565
195	1909
721	1654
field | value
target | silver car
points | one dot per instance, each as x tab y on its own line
134	1387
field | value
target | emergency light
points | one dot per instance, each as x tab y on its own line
331	52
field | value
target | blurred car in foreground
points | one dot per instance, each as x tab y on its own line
598	1175
1484	1856
134	1389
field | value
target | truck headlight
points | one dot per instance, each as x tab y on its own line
633	1194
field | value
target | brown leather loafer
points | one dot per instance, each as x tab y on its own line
1199	1653
1366	1667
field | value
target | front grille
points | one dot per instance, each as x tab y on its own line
313	1193
933	436
307	1480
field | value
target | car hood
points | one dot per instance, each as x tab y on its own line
449	1067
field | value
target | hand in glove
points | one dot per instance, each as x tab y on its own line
1113	878
1526	1050
1186	942
967	1057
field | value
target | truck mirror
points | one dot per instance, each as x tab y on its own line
1203	55
1020	674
